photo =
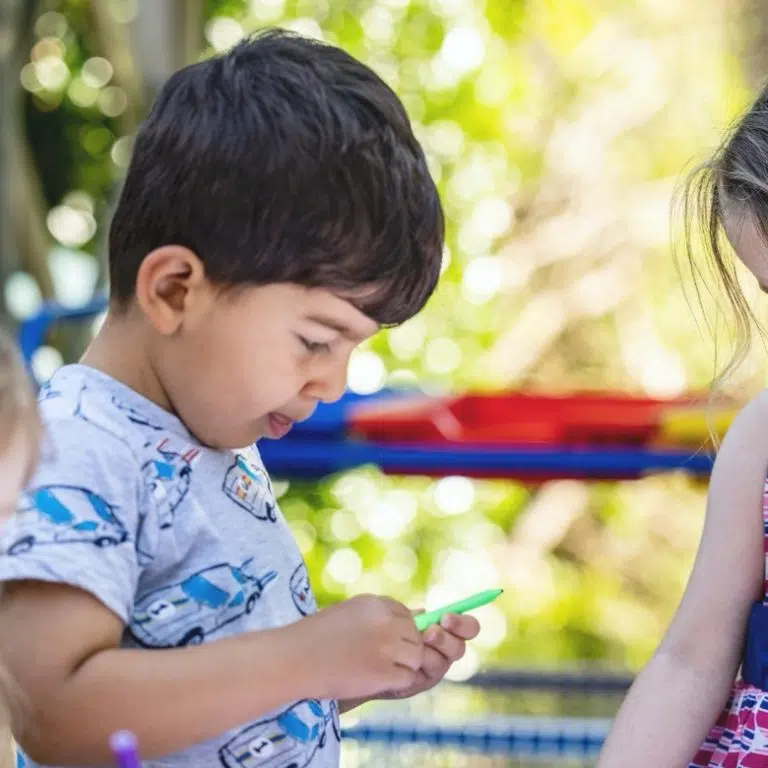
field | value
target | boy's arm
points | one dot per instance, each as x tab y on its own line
75	697
680	693
60	645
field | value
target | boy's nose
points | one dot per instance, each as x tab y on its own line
329	384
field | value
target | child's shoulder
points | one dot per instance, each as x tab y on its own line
82	406
753	413
742	456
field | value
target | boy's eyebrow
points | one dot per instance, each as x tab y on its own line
336	325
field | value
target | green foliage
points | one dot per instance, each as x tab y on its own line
71	136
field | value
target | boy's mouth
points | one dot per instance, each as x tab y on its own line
279	425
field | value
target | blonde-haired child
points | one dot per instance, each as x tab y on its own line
19	434
19	426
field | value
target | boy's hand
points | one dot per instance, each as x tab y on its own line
360	648
444	644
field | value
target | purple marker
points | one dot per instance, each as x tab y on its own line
125	750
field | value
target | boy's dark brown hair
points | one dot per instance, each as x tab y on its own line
284	160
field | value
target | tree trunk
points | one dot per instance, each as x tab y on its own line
110	41
23	231
10	15
167	34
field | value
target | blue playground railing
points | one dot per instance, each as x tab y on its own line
32	331
497	718
312	460
522	738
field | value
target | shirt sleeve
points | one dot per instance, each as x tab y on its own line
84	518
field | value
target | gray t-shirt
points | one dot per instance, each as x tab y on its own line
184	543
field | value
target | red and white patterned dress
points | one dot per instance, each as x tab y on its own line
739	738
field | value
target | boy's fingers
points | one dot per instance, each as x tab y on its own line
435	666
449	646
464	626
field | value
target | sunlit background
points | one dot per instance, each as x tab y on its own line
557	131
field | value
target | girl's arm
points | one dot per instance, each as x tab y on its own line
678	696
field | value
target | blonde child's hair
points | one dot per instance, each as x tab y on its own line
18	406
18	411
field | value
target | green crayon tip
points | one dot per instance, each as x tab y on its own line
424	620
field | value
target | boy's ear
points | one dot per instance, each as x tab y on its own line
169	281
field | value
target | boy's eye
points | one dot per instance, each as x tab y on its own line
315	347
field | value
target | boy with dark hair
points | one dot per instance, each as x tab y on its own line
277	212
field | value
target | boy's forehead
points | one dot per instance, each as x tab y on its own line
327	306
292	302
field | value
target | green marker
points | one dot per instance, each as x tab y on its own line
424	620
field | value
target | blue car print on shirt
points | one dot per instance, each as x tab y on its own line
247	484
289	740
186	613
301	591
48	392
66	515
135	416
91	409
168	477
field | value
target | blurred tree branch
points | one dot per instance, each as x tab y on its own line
9	13
111	42
26	235
28	210
166	35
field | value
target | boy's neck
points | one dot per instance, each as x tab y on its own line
120	349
